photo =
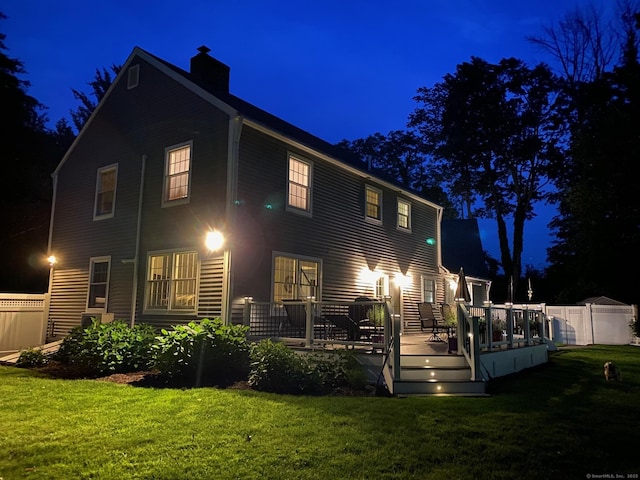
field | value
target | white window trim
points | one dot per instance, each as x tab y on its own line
368	188
168	311
423	279
304	258
113	166
180	201
133	77
386	287
92	262
400	227
289	207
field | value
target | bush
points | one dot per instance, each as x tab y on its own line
108	348
31	357
208	353
277	368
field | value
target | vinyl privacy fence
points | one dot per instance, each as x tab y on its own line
23	321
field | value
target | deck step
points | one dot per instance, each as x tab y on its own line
434	375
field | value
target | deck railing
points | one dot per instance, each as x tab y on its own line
315	323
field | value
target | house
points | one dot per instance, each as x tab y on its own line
462	248
178	200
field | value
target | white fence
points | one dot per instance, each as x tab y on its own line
22	321
591	324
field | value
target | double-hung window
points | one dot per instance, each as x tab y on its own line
99	268
172	281
104	204
428	289
295	278
299	185
373	203
404	215
177	175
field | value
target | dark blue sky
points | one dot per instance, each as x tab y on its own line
338	69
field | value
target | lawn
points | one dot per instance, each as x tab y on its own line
560	420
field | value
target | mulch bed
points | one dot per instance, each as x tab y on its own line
152	379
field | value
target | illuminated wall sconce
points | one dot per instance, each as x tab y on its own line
214	240
52	260
403	281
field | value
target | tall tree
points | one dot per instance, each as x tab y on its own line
598	228
494	132
99	86
399	156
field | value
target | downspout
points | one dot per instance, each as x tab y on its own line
233	158
136	257
54	178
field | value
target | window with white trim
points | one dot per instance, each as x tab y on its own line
404	215
104	205
172	281
373	203
295	278
133	76
299	185
382	286
428	289
99	269
177	174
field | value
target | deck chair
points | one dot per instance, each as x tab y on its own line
345	323
429	322
296	320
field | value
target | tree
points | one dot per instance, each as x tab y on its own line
399	156
495	134
99	87
598	228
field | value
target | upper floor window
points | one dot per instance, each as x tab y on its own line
373	203
404	215
133	76
171	282
295	278
299	185
177	174
105	192
98	282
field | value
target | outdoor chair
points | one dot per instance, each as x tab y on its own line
429	322
347	324
296	320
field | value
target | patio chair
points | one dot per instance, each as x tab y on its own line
429	322
296	320
347	324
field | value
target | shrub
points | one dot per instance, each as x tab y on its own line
31	357
277	368
108	347
208	352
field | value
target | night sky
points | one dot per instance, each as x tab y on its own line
338	69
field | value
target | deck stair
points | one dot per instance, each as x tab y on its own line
434	375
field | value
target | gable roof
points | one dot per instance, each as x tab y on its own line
258	118
601	300
462	247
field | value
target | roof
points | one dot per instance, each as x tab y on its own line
276	124
601	300
462	247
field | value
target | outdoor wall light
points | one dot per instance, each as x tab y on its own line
402	280
214	240
52	260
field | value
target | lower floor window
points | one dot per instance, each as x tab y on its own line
171	281
98	282
295	278
428	290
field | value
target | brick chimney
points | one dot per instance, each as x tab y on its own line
209	72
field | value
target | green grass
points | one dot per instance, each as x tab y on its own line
561	420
